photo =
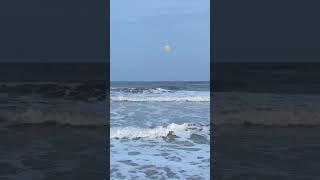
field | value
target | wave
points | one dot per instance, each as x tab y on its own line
52	118
144	90
162	99
265	117
266	109
163	96
183	131
71	91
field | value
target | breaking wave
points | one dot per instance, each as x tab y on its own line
161	95
52	118
144	90
162	99
183	131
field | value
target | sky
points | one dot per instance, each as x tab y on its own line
140	30
267	31
52	31
73	31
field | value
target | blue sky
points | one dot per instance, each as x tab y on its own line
141	28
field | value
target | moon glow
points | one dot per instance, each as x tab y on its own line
167	47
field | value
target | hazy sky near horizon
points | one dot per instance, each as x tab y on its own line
141	28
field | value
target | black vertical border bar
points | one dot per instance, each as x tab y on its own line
107	83
212	80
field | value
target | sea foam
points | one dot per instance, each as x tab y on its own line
181	131
162	95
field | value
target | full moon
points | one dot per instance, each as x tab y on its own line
167	48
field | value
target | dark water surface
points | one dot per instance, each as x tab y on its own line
267	153
53	119
143	115
267	119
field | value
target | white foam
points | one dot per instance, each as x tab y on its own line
185	96
164	160
180	159
161	99
183	131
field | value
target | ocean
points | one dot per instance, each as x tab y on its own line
52	115
160	130
266	120
266	123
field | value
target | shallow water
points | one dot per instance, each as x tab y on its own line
160	130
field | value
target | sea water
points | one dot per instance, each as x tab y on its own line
52	121
160	130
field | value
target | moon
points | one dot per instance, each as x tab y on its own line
167	47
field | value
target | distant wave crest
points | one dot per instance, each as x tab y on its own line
144	90
162	95
94	90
